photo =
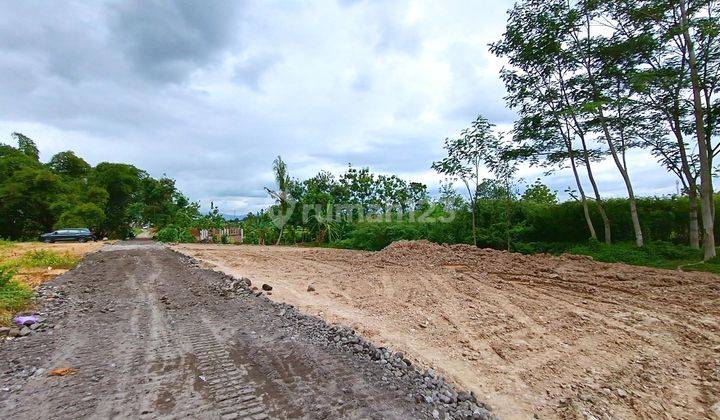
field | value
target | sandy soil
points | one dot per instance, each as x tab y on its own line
554	336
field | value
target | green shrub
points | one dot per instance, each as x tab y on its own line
185	237
172	233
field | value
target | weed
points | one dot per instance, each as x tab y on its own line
45	258
13	295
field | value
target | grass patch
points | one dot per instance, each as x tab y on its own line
45	258
653	254
4	243
14	296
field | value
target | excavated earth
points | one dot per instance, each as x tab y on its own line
531	335
140	331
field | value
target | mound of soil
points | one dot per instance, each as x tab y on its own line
554	336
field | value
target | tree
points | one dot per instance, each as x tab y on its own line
466	154
67	163
539	193
541	85
27	146
703	132
605	83
282	180
83	215
679	79
121	182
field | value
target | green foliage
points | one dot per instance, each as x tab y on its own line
111	199
69	164
86	215
13	295
540	193
26	146
654	254
47	258
174	234
6	276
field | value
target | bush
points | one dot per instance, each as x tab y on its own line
172	233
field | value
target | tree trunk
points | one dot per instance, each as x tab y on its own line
474	223
626	179
707	206
280	236
596	190
694	227
581	190
600	207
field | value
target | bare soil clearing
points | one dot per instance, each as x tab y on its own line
554	336
139	331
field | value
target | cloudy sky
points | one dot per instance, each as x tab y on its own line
209	92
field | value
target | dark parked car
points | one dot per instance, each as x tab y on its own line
79	235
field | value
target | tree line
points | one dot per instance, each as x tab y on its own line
110	198
592	80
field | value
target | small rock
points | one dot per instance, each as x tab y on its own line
24	331
621	393
311	288
266	287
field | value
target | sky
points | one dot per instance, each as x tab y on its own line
210	92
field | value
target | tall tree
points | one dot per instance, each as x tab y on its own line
540	83
605	78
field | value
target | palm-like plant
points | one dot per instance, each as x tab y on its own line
282	179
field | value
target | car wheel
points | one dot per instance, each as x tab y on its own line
47	241
81	240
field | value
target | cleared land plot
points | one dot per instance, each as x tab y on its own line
557	336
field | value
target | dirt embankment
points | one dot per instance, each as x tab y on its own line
554	336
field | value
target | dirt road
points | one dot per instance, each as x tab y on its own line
143	333
560	337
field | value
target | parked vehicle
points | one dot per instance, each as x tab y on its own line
75	234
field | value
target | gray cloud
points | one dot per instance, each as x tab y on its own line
168	40
210	92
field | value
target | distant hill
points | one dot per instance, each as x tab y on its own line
232	216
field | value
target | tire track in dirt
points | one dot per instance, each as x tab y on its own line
149	336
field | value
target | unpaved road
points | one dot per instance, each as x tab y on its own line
149	335
561	337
